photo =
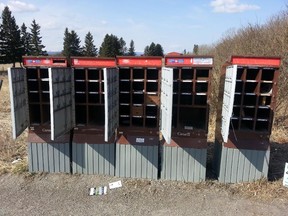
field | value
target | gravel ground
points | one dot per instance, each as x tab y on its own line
64	194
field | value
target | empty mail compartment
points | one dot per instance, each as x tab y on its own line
138	73
35	114
192	117
152	74
124	110
186	87
137	121
124	97
251	87
138	98
94	74
186	99
81	114
152	86
79	74
94	97
200	100
252	73
96	115
125	86
138	86
187	74
268	74
202	74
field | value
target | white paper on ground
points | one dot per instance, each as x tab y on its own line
285	177
105	190
92	191
114	185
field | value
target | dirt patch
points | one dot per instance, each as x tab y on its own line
60	194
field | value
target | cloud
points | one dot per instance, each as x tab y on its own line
19	6
231	6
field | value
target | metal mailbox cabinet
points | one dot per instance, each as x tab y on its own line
185	92
138	134
96	109
244	121
42	99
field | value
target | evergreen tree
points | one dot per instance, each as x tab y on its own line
110	46
158	51
66	44
146	51
36	40
75	44
195	49
10	43
71	44
123	48
153	50
89	48
131	50
25	40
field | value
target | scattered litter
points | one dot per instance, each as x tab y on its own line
102	190
92	191
16	161
98	191
116	184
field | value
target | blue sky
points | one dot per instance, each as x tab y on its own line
175	24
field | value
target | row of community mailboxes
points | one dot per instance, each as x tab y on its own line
133	151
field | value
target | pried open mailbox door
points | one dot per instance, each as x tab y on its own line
166	103
228	100
19	100
111	98
62	105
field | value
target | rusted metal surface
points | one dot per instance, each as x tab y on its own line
248	140
44	61
92	62
43	135
90	135
180	142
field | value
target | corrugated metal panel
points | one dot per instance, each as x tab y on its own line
242	165
228	100
61	84
184	164
136	161
93	158
19	100
166	103
49	157
111	98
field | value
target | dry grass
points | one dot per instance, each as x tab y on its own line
261	190
9	149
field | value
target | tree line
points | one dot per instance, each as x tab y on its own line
16	42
